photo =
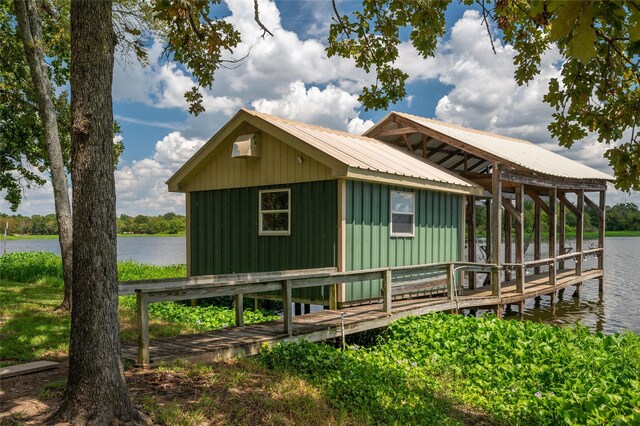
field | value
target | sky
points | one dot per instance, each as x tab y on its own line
290	75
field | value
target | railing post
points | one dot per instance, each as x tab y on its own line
579	230
239	307
552	273
286	302
142	305
387	285
451	288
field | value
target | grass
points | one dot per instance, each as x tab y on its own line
516	372
238	392
31	288
28	267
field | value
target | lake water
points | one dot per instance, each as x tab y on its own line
616	311
154	250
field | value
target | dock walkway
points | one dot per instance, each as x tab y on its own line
247	340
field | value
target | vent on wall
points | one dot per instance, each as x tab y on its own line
246	146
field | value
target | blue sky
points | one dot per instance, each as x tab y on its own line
290	75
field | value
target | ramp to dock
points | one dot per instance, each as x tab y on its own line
240	341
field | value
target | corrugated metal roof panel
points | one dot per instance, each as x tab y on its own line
365	153
516	151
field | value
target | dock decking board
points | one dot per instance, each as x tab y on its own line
248	340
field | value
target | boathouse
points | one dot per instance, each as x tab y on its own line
271	194
375	224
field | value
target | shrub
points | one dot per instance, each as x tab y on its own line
519	372
30	266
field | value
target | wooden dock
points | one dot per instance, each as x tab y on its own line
247	340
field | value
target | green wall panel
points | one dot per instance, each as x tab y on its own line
438	217
224	233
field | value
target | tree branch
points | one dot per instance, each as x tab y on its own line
256	17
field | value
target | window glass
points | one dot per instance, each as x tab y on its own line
402	214
275	212
274	200
402	202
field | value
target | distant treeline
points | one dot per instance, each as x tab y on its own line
169	223
621	217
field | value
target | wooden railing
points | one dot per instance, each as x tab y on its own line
239	284
552	262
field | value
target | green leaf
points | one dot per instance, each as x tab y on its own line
583	44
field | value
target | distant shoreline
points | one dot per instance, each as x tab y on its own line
53	237
569	235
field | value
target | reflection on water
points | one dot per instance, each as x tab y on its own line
617	309
615	312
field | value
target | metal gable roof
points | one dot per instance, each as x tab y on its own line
515	151
368	154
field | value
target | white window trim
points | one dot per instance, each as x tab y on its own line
287	211
413	215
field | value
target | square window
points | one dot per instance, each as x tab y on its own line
402	214
275	212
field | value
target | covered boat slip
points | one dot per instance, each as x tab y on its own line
373	227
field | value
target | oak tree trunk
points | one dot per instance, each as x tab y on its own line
96	393
30	30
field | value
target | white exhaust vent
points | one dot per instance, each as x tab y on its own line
246	146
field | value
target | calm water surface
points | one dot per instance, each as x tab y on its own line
154	250
616	311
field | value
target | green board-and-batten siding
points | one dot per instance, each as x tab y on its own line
438	217
224	232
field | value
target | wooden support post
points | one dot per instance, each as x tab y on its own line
297	309
451	287
487	231
553	229
562	228
601	230
507	243
471	238
307	308
337	291
496	193
579	231
521	308
520	271
537	234
239	305
576	294
387	285
142	305
499	311
286	306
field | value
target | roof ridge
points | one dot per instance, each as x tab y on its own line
308	125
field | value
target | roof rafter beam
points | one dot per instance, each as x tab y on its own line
448	157
397	132
538	201
448	139
406	142
593	206
508	206
568	204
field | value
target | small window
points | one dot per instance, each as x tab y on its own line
402	213
275	212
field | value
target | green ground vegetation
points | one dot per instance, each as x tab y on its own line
31	288
518	372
